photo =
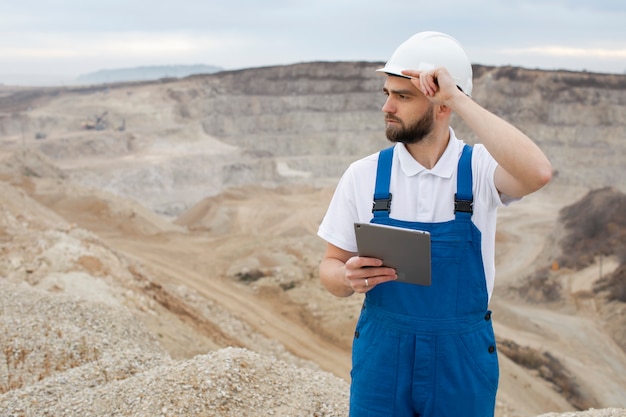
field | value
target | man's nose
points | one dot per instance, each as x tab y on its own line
387	107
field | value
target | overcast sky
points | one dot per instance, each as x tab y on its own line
54	41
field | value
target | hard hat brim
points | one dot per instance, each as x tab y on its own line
392	71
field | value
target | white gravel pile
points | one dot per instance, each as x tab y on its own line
62	357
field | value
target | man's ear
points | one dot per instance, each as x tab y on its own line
443	111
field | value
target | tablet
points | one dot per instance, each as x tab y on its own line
406	250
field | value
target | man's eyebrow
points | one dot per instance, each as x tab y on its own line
399	92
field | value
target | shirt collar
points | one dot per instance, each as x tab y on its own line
445	166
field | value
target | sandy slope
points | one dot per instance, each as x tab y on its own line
570	331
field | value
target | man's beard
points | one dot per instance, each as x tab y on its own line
412	133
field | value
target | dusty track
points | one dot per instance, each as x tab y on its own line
260	314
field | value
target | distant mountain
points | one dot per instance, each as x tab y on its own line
146	73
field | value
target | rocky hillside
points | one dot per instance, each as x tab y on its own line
188	139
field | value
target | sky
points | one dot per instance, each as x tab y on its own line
52	42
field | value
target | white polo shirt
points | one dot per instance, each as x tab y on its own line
419	195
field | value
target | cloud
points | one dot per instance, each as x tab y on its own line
564	51
115	46
77	36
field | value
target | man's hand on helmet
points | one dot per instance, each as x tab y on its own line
436	84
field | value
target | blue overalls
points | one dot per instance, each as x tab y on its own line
428	351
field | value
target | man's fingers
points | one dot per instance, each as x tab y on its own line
411	73
425	81
362	261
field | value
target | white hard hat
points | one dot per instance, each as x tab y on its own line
427	50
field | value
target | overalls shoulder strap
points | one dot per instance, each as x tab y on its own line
382	196
463	199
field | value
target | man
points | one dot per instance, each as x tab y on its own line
428	350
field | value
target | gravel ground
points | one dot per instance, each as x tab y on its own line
91	359
65	357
